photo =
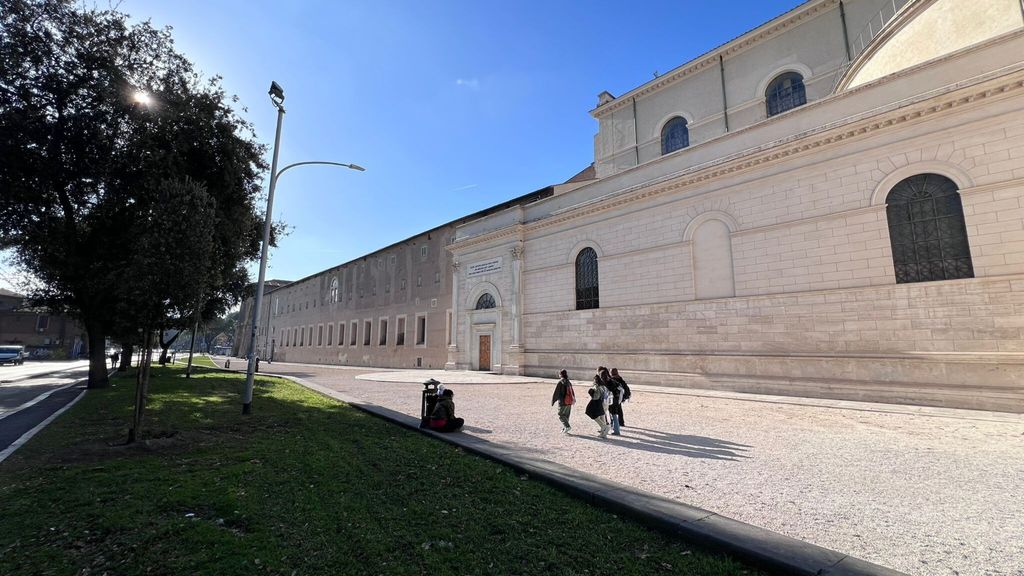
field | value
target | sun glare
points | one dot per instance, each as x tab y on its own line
142	98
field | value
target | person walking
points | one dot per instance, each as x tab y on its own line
614	401
622	390
597	408
565	397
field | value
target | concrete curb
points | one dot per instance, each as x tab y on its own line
769	550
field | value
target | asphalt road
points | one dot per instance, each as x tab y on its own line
31	393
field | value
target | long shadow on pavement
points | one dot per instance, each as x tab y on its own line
676	444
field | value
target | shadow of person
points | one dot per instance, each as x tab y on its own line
676	444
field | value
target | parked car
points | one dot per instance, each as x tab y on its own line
12	354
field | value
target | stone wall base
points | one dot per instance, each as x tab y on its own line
973	381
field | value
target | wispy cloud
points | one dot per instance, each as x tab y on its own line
461	188
471	83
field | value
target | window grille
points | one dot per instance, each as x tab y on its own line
927	230
675	135
785	93
586	280
485	301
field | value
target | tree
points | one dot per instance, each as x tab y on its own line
84	165
169	272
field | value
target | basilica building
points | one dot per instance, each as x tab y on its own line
829	205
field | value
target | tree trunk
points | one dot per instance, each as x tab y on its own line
141	388
97	355
164	346
126	357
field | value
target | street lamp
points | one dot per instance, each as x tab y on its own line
277	97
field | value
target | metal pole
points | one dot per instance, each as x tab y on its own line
251	369
192	346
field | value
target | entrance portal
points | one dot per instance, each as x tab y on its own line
485	352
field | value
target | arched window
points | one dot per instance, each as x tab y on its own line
586	280
927	230
674	135
785	93
485	301
333	297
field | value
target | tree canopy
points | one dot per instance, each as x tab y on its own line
130	214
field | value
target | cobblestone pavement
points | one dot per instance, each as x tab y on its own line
925	491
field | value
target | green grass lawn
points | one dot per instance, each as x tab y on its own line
306	485
197	360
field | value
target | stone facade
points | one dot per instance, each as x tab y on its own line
759	257
390	308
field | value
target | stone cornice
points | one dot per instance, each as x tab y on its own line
790	147
728	49
515	230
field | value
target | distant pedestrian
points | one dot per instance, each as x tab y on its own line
620	394
614	405
565	397
114	357
443	419
597	408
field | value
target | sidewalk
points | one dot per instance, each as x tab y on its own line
926	491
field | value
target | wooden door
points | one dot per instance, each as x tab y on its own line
485	352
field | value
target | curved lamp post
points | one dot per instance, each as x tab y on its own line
277	97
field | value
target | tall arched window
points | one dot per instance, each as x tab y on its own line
333	297
927	230
674	135
586	280
485	301
785	93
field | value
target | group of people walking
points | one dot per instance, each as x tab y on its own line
607	394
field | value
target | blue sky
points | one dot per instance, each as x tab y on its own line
452	106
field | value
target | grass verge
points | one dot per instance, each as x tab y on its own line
197	360
306	485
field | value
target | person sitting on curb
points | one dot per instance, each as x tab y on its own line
443	419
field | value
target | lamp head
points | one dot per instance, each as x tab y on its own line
276	92
357	167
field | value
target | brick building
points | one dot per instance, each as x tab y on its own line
44	335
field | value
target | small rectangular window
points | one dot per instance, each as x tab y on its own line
352	333
302	336
42	323
403	283
437	277
419	280
421	330
383	331
320	335
367	326
330	334
400	332
423	252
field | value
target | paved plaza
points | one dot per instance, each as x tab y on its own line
927	491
